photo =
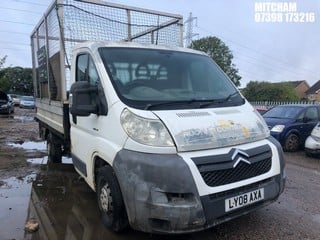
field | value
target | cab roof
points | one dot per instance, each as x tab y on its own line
94	45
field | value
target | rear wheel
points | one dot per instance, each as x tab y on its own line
292	143
54	149
110	200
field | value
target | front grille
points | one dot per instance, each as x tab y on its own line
241	172
226	168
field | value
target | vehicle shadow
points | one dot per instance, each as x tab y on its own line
65	208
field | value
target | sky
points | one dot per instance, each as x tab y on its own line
287	49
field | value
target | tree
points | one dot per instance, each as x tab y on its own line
265	91
16	80
2	61
220	53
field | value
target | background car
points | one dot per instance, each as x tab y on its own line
27	102
15	99
312	144
292	124
261	109
6	103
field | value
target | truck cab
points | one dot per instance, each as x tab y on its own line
158	131
166	134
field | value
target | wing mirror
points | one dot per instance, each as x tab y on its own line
83	99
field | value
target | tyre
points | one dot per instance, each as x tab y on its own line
308	154
110	200
54	149
292	143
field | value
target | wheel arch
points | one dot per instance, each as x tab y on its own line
292	131
98	162
117	220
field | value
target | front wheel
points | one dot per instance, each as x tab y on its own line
292	143
110	200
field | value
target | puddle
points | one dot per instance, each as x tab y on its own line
40	146
24	118
63	205
14	197
65	208
44	160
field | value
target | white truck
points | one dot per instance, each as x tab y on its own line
158	131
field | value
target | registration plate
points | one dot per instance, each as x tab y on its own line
244	199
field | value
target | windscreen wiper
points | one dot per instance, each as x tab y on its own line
203	102
230	96
218	101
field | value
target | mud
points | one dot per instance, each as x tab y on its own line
18	133
65	207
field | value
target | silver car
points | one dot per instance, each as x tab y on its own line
312	144
27	102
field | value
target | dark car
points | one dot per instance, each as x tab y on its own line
292	124
6	103
15	99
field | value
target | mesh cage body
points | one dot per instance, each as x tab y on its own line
68	22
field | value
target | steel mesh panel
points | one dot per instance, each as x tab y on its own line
53	33
41	33
80	21
83	21
241	172
86	21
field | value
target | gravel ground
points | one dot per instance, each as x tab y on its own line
65	207
15	130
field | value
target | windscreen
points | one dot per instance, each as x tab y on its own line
283	112
167	79
27	98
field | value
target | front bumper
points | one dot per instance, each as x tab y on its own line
27	106
159	192
214	205
161	196
278	136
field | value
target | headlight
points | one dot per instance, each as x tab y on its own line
264	127
316	133
317	139
145	131
278	128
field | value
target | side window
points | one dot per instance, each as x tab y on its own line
93	74
82	68
86	71
301	116
312	114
